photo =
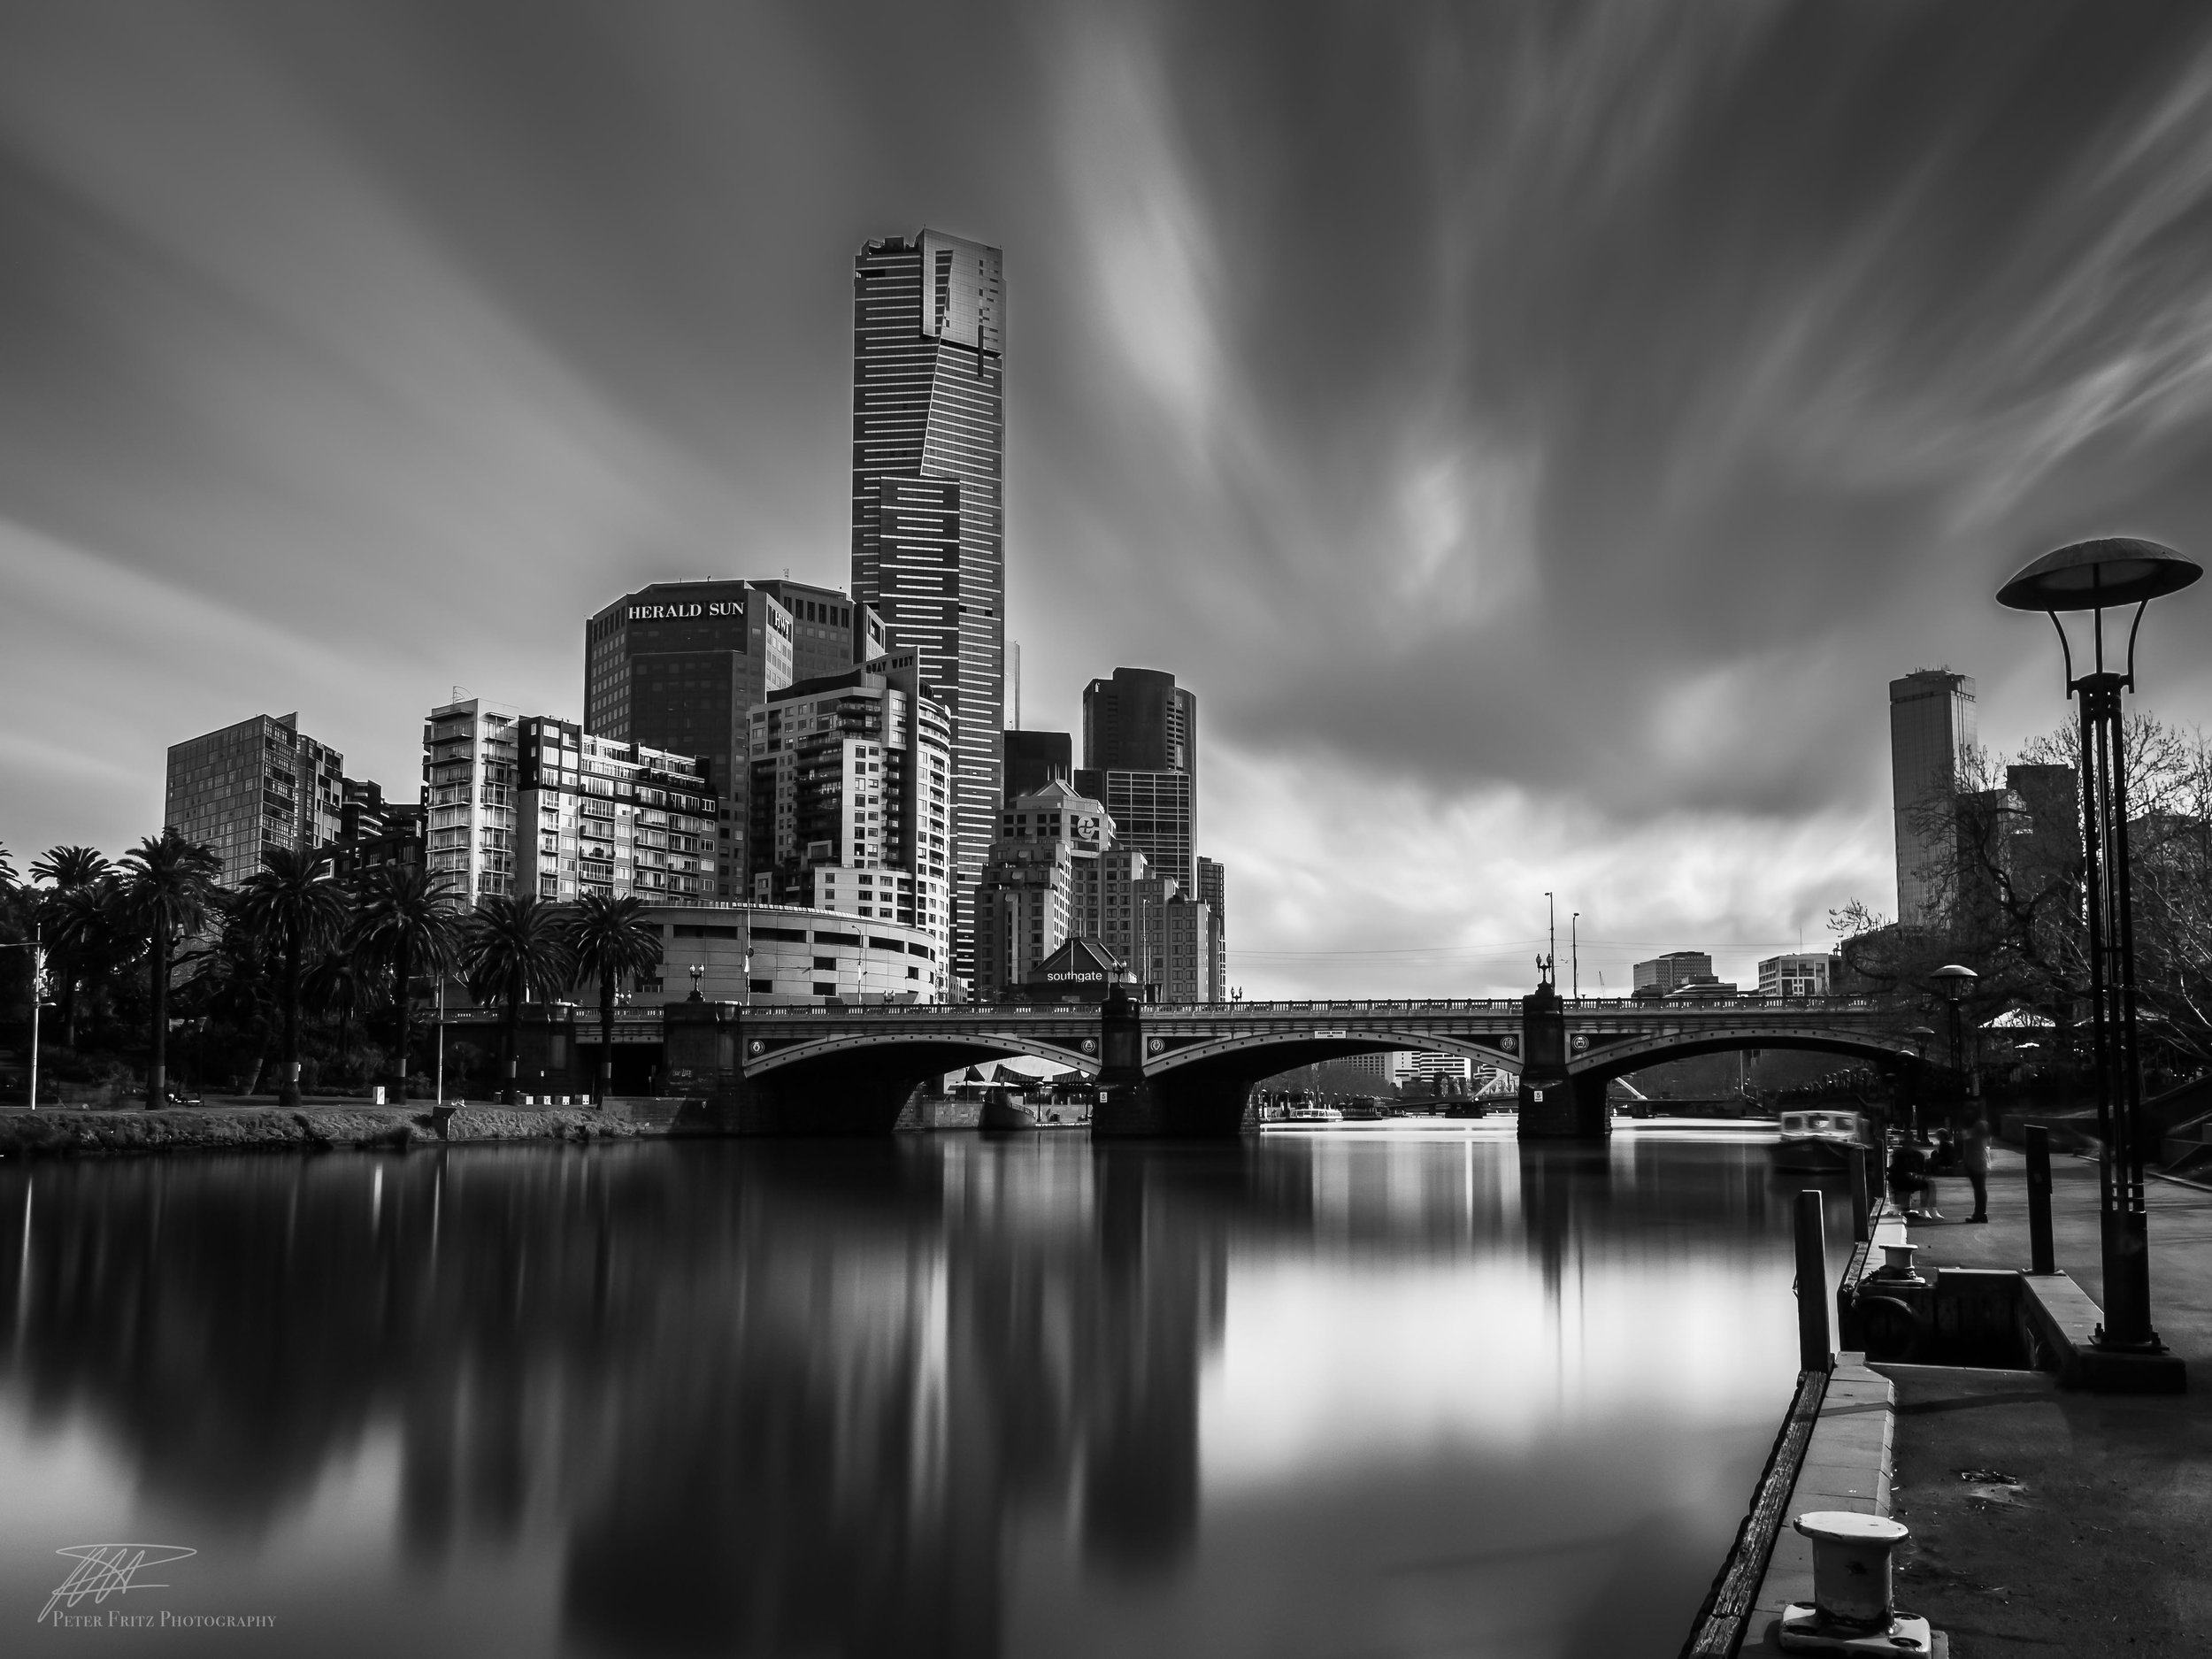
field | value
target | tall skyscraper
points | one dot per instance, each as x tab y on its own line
1141	761
1931	724
928	506
253	788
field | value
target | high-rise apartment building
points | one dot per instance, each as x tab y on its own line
1932	725
529	804
851	796
252	788
928	506
373	831
1213	887
1141	761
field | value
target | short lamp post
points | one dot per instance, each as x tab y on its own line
697	972
2096	577
1953	979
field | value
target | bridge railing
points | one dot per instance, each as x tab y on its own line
1641	1006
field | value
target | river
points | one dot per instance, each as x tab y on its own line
1403	1390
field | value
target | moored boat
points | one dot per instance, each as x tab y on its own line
1821	1140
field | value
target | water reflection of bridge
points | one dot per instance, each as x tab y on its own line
798	1391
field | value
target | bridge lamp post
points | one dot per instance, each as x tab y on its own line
2110	574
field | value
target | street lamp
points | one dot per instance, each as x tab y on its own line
1953	979
697	973
2097	576
1921	1036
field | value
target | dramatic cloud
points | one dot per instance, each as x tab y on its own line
1536	432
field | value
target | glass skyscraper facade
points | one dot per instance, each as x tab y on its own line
1140	759
928	503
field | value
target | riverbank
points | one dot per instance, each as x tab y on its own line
311	1127
2047	1520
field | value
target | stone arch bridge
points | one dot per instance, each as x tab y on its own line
1188	1069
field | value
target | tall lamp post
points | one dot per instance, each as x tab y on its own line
1953	979
2096	577
1920	1035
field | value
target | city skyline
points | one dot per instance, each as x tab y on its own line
1507	588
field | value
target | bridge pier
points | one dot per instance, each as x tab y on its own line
1553	1105
1185	1105
703	1043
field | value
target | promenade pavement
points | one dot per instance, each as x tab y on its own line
2047	1522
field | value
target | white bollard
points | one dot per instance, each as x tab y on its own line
1853	1609
1897	1265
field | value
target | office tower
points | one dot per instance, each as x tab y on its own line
1141	760
1932	725
830	634
851	796
252	788
1035	759
681	666
2048	850
1029	901
530	804
928	522
1676	969
1798	973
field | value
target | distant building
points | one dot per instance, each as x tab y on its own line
1931	726
849	796
1426	1065
1213	887
530	804
2049	848
1802	974
1035	759
928	500
252	788
1663	974
373	831
1141	761
1081	971
830	633
1027	905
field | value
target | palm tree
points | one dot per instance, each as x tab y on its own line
73	927
344	984
168	889
410	919
513	948
609	939
292	905
91	930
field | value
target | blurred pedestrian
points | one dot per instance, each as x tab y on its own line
1907	1176
1974	1159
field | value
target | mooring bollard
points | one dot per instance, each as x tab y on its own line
1897	1265
1853	1609
1815	1351
2042	1257
1861	1203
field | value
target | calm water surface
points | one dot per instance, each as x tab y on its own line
1391	1391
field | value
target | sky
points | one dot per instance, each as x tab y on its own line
1536	432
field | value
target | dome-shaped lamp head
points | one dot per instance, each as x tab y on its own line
2097	576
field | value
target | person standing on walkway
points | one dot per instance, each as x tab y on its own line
1974	1159
1907	1176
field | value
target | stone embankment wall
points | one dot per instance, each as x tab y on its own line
65	1134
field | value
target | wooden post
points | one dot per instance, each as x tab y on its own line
1815	1351
2042	1257
1862	1202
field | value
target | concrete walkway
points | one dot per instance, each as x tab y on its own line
2045	1521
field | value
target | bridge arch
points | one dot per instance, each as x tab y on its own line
957	1049
1633	1053
1284	1050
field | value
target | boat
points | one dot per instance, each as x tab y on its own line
1004	1108
1822	1141
1308	1113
